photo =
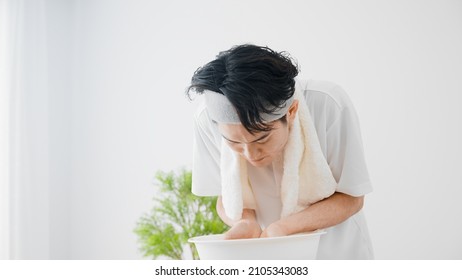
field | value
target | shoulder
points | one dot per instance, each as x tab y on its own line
327	101
325	92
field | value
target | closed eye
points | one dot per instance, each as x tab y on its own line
261	141
231	141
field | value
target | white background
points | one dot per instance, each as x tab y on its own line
113	112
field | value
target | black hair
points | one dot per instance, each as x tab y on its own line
255	79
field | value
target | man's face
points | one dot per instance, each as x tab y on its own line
258	149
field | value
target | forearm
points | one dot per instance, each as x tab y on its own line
323	214
247	214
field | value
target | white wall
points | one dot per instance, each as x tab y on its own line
399	60
123	114
4	137
29	131
60	18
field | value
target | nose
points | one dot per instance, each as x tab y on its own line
251	152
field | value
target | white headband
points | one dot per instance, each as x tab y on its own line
221	110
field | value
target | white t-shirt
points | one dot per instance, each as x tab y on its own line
339	135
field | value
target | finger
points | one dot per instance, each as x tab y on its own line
231	234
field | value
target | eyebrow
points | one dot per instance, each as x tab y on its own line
264	136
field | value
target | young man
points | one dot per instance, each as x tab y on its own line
284	156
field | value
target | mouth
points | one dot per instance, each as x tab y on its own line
257	160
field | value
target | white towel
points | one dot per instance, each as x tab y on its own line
306	178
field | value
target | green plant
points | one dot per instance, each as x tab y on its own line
177	216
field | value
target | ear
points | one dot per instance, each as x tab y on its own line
292	111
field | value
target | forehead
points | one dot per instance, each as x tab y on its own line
239	131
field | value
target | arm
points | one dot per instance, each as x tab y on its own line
246	227
323	214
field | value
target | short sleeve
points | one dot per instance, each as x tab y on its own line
206	158
345	153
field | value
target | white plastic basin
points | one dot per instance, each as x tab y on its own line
303	246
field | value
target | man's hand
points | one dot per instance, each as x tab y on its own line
274	230
244	229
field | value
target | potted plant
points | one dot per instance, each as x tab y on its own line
176	216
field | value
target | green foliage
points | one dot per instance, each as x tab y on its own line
177	216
